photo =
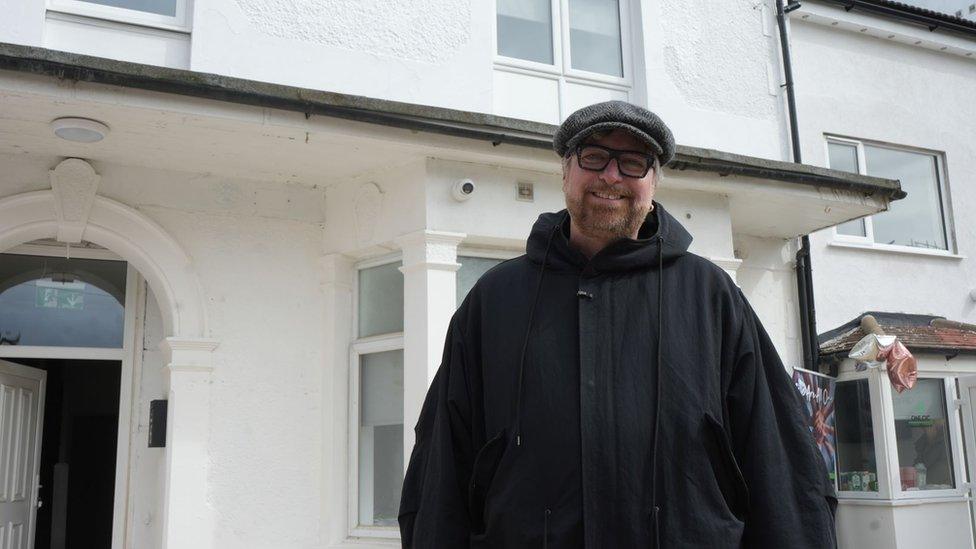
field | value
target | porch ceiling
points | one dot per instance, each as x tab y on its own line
275	133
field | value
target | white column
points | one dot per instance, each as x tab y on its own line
337	284
187	513
429	287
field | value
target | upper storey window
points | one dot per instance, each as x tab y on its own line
555	56
587	35
168	14
919	221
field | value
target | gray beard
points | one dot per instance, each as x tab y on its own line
597	221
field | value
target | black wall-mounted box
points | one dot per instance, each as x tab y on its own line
157	423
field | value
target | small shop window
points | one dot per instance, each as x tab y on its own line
856	461
922	432
57	302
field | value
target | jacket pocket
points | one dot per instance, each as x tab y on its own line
483	471
727	473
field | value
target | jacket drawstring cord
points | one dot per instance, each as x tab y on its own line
657	388
528	332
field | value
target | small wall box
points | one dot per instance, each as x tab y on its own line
157	423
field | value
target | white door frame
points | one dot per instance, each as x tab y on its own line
32	373
967	398
130	359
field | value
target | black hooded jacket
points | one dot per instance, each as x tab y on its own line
629	400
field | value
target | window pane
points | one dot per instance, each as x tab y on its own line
856	462
380	437
380	300
525	29
924	453
917	219
471	270
594	36
844	157
61	302
160	7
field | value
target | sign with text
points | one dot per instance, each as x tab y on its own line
817	391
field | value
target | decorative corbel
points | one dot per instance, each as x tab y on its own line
74	183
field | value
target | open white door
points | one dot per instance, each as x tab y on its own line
21	411
967	394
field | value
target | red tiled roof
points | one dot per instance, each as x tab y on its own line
956	339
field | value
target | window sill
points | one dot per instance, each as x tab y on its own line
885	248
902	502
112	18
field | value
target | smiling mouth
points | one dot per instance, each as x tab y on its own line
607	196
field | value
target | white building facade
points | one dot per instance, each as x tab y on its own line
260	255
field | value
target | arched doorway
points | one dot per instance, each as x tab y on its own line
71	212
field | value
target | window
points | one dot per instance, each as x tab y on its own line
856	461
588	37
167	14
922	433
918	221
472	268
378	394
57	302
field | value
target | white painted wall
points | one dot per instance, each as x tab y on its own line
711	70
871	88
712	73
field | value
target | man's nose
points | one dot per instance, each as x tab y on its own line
611	174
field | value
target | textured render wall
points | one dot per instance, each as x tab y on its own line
712	72
257	260
432	52
863	87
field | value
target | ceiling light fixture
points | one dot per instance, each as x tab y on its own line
79	130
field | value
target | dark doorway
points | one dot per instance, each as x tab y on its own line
78	448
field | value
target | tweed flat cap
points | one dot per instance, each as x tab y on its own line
613	115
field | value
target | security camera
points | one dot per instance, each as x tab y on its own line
462	190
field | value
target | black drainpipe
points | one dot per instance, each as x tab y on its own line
804	272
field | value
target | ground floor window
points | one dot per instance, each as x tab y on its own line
856	461
922	432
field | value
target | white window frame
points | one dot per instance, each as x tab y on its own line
867	241
179	23
877	429
886	442
953	421
562	68
362	346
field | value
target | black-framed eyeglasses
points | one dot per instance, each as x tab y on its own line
596	158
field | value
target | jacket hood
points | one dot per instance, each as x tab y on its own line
659	230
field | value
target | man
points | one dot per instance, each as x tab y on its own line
610	389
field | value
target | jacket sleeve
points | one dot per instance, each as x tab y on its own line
791	499
433	509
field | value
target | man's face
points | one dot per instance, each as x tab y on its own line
608	204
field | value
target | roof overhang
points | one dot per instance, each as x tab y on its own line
211	123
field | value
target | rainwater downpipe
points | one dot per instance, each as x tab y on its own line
804	271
